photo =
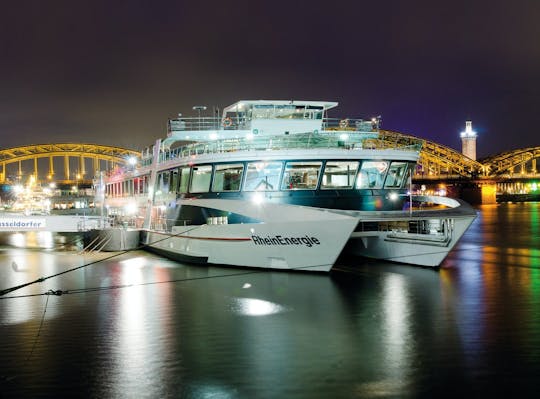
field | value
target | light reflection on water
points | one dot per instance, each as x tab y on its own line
255	307
371	330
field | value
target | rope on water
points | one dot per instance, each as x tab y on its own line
39	330
41	279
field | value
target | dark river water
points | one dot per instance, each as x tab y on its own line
139	326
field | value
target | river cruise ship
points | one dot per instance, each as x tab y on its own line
279	185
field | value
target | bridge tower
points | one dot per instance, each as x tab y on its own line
468	141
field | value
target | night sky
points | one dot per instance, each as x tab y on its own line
112	72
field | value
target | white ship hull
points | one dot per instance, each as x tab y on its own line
303	238
443	229
288	237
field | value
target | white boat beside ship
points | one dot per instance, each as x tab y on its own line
278	184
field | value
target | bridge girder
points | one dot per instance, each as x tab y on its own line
444	157
431	155
507	161
16	154
96	152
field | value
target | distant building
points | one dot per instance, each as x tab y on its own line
468	141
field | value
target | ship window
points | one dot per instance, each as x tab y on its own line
290	111
163	182
371	174
174	181
339	174
262	176
200	179
301	175
227	177
315	112
184	180
262	111
145	184
396	173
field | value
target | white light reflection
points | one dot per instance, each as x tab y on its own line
208	391
255	307
17	240
137	262
132	338
397	340
26	267
32	239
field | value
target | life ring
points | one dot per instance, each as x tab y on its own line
227	122
343	123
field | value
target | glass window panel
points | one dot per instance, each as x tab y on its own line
200	179
301	175
163	182
228	177
338	174
261	111
174	181
371	174
262	176
184	180
396	174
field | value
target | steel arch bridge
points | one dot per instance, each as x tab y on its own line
438	161
65	152
505	163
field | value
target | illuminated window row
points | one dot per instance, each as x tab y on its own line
133	186
286	176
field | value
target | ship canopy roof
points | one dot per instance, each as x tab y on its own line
246	104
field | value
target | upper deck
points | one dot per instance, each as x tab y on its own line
248	118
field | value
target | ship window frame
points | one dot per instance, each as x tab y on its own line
183	189
216	169
263	184
374	180
288	186
174	180
192	179
400	179
353	175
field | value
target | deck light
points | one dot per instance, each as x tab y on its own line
258	198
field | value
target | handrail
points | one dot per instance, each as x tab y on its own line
326	139
212	123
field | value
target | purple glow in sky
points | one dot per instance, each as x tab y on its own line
112	72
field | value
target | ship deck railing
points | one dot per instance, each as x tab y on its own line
350	140
203	123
